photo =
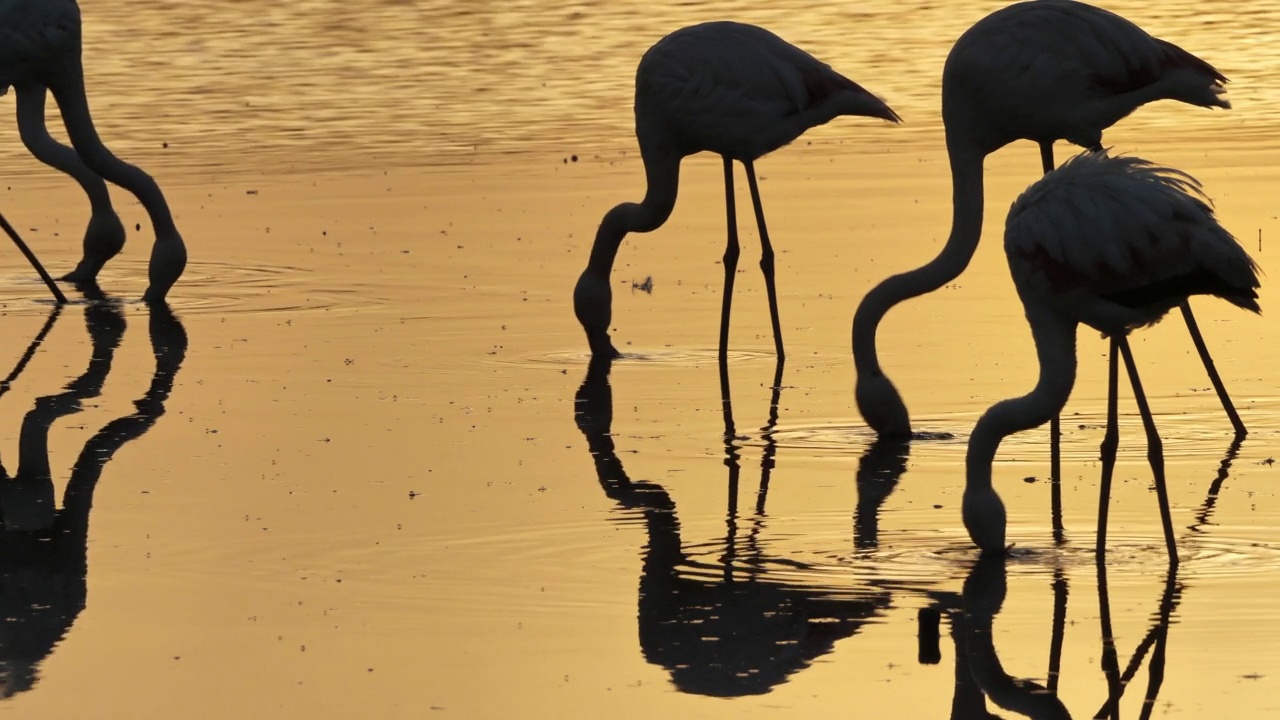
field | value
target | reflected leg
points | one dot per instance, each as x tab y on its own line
1060	593
1110	660
732	461
770	444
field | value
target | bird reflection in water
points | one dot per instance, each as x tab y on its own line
879	468
979	673
43	550
722	628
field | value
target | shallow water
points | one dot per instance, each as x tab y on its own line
364	470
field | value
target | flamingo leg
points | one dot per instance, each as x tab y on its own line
726	401
1155	449
1055	479
7	382
731	253
1209	367
168	253
1046	157
766	259
1110	441
1055	425
105	235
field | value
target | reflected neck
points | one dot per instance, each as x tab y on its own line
966	230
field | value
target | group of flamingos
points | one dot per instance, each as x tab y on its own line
1111	242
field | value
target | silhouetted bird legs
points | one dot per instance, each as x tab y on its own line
766	259
1055	425
1194	328
1155	448
1110	442
731	253
105	235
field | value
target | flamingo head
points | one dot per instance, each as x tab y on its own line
168	260
882	407
984	518
593	304
103	240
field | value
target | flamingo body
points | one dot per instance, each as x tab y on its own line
1049	70
1043	70
739	91
40	53
1116	243
734	89
34	34
1113	243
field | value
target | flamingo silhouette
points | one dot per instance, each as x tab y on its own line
736	90
767	629
1045	70
1114	243
40	52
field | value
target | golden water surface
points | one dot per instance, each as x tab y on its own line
363	470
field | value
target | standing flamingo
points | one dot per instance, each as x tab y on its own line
1114	243
1043	70
736	90
40	51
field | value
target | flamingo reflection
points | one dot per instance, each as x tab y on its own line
722	628
984	593
879	468
43	550
969	698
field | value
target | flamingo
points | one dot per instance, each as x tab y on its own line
1043	71
734	89
40	52
1113	243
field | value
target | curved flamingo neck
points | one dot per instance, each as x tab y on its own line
966	230
1055	339
662	177
144	187
69	92
64	159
